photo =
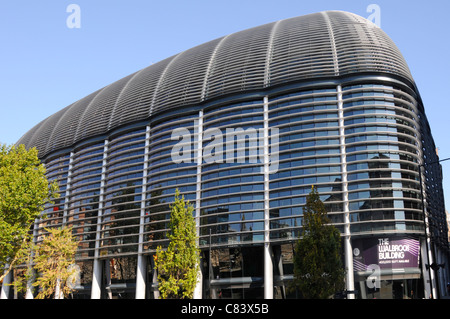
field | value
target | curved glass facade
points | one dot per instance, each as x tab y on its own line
382	156
246	162
357	143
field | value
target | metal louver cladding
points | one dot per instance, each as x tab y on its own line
320	45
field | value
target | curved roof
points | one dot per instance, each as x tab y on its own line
325	44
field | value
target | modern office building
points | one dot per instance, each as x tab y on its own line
243	126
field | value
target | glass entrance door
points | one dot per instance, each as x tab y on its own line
393	289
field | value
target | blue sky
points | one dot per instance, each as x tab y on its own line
45	65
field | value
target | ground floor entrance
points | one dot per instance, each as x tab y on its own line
392	289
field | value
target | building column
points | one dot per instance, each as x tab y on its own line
442	284
427	255
268	263
141	273
198	138
29	290
348	251
68	189
154	279
5	285
97	271
141	276
425	272
96	280
268	271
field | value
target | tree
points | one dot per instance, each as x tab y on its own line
54	260
24	191
318	271
178	265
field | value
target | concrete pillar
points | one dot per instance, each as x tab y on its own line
348	251
5	286
96	280
425	271
97	271
141	271
268	264
268	272
198	139
141	277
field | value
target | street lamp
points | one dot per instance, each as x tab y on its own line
433	266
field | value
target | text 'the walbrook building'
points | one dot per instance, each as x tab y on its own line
243	126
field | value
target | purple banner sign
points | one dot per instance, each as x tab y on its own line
387	253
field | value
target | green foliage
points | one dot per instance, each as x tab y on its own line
318	269
53	259
178	265
24	190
